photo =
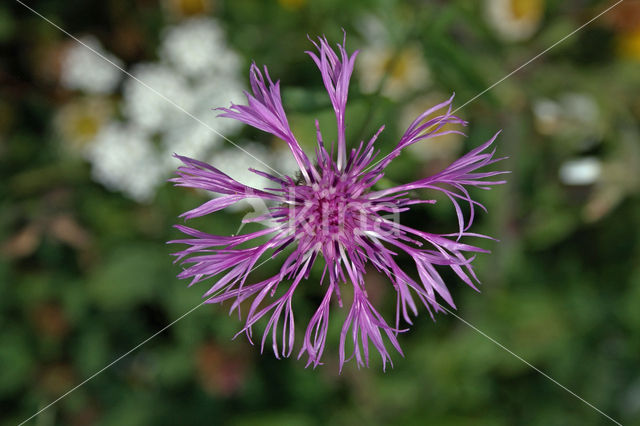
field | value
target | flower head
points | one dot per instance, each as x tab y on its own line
333	215
123	159
196	67
84	70
514	20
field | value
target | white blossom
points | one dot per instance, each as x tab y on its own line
514	20
236	163
149	110
581	171
400	70
82	69
198	47
169	107
195	137
124	159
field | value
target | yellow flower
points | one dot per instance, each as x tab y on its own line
79	121
629	44
185	8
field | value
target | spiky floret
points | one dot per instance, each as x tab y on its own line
334	214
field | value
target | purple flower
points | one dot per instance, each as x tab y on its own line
331	212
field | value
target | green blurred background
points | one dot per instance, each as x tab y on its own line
85	209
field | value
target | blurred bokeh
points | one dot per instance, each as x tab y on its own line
85	209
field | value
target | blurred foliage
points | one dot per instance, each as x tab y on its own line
85	274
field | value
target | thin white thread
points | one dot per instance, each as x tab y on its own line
519	68
529	364
148	339
148	87
537	56
467	323
215	131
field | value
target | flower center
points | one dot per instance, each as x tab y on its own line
326	214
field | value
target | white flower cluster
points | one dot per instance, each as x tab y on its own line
167	108
197	49
83	69
119	156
